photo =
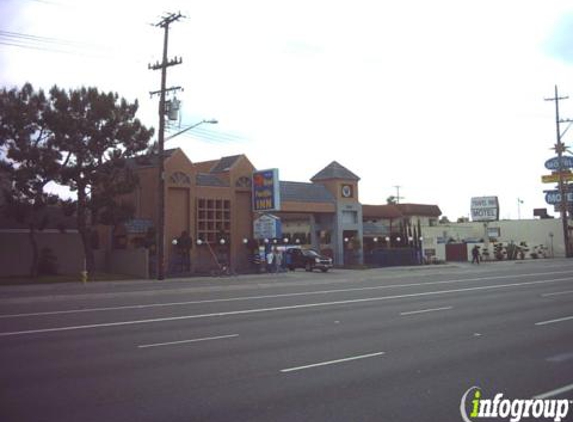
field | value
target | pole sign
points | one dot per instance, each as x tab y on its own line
485	208
555	164
266	190
554	178
553	197
267	226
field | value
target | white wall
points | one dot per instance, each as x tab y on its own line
533	232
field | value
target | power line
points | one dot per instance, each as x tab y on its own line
220	135
60	45
207	137
203	132
20	35
51	3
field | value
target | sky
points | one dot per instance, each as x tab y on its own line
445	99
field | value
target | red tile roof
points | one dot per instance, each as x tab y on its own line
381	211
420	209
400	210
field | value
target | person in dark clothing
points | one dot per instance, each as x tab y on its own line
475	255
184	244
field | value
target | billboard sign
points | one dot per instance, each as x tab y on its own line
553	163
266	190
485	208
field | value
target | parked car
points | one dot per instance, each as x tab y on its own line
309	259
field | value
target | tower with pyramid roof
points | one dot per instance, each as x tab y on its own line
346	223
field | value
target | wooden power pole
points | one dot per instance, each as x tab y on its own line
563	190
165	63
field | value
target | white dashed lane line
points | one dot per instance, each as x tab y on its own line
195	340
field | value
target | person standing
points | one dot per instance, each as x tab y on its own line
185	243
288	261
270	260
475	255
278	261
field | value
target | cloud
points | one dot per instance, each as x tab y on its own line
558	44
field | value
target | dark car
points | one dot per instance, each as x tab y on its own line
309	259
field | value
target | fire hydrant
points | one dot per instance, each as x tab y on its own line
84	275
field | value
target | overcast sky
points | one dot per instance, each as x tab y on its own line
444	98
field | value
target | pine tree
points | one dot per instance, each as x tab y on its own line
28	160
77	138
96	132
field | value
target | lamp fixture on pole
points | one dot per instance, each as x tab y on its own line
211	122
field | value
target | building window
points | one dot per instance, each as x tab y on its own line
349	217
213	219
179	178
243	182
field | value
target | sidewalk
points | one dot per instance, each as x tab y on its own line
56	291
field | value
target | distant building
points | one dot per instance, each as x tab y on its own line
538	238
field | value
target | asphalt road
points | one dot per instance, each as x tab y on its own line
376	345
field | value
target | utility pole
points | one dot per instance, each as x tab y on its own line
398	197
164	23
560	149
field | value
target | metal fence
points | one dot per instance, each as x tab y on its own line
392	257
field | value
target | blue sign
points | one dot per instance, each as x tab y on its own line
267	227
553	163
266	190
553	197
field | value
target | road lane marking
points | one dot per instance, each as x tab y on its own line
554	321
567	292
195	340
278	296
562	357
555	392
423	311
278	308
331	362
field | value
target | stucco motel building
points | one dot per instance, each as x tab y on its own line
213	202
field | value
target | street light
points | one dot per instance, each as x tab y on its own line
210	121
161	195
